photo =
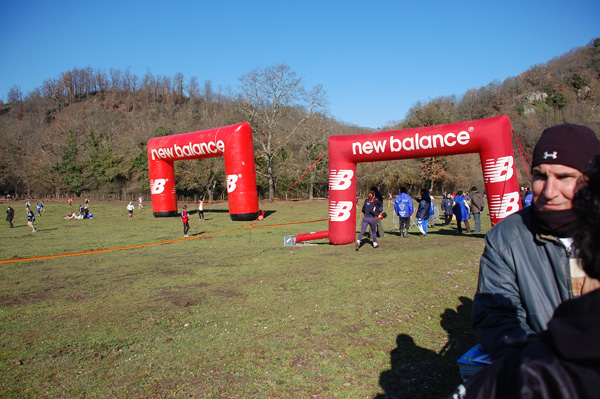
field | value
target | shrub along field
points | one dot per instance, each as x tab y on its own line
230	312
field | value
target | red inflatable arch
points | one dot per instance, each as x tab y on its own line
491	138
234	143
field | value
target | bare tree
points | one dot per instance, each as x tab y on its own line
276	103
193	88
178	84
15	95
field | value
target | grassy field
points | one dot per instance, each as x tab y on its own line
234	314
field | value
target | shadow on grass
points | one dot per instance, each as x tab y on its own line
438	230
422	373
207	212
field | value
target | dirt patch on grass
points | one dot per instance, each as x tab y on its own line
27	299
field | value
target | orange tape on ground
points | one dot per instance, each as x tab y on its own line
147	245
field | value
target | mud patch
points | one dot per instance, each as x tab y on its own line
27	299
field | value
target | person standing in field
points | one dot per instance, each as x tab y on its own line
201	209
403	206
370	211
423	211
447	202
130	209
461	212
10	214
476	208
70	200
30	220
140	202
185	218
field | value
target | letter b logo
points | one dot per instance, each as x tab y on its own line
340	179
158	186
231	180
340	211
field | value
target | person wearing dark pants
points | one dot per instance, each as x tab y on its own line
185	218
10	214
476	208
370	210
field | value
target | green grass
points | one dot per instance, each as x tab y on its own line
230	315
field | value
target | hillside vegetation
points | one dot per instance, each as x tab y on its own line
85	131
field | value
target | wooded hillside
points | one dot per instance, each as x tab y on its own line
85	131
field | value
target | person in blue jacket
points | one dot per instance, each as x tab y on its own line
528	198
403	206
432	213
423	211
461	211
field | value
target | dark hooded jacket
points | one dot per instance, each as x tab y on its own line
561	362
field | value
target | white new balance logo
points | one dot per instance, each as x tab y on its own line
498	170
553	155
339	211
340	179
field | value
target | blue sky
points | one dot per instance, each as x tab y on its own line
375	59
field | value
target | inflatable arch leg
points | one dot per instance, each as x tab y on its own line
491	138
234	143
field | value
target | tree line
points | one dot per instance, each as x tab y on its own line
85	131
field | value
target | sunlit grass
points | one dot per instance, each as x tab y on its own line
229	315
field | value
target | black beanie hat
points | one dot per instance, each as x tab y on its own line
570	145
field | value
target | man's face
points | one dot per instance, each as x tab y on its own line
554	186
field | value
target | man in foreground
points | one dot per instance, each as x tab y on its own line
527	268
562	361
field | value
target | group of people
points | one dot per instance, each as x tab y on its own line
536	309
461	206
10	215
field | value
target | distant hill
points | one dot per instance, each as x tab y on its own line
85	132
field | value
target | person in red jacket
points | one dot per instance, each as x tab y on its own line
185	218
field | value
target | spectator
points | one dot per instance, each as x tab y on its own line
461	212
431	213
528	198
528	266
403	206
563	360
10	214
370	211
476	208
446	206
423	211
